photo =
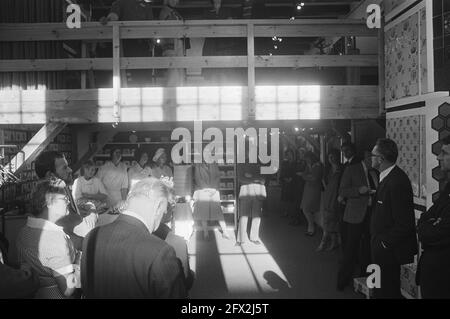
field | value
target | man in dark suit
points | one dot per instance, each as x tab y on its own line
355	188
392	227
125	260
433	272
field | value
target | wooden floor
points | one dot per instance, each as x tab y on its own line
284	266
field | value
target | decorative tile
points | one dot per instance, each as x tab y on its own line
406	132
423	52
390	5
402	59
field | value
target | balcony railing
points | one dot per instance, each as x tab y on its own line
363	100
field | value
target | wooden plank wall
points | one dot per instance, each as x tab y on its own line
31	11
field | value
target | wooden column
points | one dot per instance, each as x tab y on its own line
116	72
103	137
83	73
251	72
381	74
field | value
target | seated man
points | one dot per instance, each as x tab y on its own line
124	259
45	247
78	222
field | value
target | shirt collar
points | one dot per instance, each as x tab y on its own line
386	172
132	214
40	223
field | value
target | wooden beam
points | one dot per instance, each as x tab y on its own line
250	114
313	30
35	146
381	69
306	61
206	103
116	73
294	61
83	74
178	29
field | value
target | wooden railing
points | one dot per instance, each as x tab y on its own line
250	29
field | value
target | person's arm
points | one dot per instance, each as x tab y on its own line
124	186
402	209
76	189
61	262
166	276
315	174
433	227
17	283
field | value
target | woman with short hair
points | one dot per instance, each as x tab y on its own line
45	247
114	177
312	191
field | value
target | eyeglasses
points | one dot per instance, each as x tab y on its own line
65	198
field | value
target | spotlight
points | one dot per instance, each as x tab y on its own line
296	129
158	41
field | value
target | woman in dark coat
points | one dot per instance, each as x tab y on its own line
330	204
287	181
312	191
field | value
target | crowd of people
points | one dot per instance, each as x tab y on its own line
108	234
117	225
368	211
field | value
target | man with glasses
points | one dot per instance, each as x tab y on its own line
77	223
45	247
392	227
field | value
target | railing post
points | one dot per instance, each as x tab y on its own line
381	74
251	112
116	73
83	73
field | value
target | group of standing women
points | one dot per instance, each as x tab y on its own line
118	179
307	189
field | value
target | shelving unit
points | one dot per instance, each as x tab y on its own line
19	193
228	191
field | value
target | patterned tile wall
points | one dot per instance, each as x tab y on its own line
402	59
408	133
423	52
389	5
406	58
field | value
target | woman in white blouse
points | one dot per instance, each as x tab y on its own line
161	169
114	177
139	170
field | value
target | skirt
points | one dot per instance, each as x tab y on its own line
207	205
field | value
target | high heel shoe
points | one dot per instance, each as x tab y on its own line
321	247
310	233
